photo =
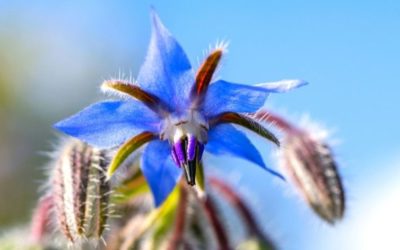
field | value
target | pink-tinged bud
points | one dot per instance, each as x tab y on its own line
41	219
80	191
310	163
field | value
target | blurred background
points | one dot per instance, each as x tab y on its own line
54	55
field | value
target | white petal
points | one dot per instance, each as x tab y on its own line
283	85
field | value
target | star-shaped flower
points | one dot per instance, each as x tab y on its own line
176	113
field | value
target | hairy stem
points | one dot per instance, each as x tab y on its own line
274	119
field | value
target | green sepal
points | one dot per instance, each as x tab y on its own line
131	188
200	176
127	149
161	217
166	221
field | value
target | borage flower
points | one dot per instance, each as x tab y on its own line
177	113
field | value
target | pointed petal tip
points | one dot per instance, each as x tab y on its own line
60	127
275	173
153	10
299	83
272	172
56	125
158	201
304	82
283	86
156	22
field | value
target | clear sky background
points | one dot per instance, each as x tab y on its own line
59	52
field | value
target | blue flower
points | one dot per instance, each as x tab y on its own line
178	114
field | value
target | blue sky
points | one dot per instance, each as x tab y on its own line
348	50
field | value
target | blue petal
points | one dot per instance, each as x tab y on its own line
224	96
108	124
225	138
160	171
166	71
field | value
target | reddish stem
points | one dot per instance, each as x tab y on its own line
242	208
212	213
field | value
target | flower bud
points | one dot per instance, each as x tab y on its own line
80	191
311	165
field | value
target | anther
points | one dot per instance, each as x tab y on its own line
187	153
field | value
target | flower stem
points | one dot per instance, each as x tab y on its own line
212	213
242	208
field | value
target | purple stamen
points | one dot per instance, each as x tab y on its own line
187	154
191	148
175	157
180	155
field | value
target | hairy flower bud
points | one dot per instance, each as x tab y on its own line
80	191
310	162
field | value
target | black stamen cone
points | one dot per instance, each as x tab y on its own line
192	172
189	166
189	174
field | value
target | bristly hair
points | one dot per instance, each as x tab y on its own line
221	45
114	93
80	196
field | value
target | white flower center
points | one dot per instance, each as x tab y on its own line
192	124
